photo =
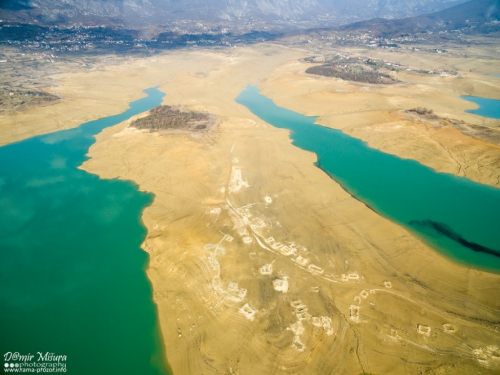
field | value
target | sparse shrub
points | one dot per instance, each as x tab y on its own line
422	111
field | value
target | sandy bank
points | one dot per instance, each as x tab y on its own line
260	263
373	113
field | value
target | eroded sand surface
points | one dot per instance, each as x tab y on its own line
260	263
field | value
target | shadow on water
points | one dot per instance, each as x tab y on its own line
71	268
445	230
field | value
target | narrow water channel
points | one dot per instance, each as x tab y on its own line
456	216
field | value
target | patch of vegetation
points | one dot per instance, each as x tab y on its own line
352	72
422	111
483	133
14	100
167	117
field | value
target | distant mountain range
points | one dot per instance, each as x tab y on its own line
481	16
136	12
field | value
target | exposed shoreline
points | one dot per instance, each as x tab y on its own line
383	271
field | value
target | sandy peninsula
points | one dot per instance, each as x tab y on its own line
262	264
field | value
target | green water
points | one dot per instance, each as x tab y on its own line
72	274
487	107
456	216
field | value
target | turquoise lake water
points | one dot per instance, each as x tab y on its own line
72	273
454	215
487	107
